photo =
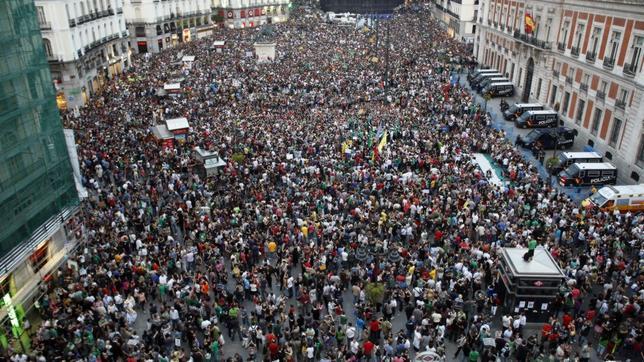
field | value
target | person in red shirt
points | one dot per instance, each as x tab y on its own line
368	347
546	331
374	328
274	349
270	338
567	319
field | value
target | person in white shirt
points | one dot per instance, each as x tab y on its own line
506	321
350	333
417	338
516	324
310	353
355	347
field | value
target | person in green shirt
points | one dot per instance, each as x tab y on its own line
474	355
532	244
214	349
233	312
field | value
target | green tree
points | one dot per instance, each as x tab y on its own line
487	97
375	293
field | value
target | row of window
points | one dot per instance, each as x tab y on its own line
499	14
616	128
81	8
594	45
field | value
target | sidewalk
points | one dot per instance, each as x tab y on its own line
577	194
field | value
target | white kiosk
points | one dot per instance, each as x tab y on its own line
179	127
210	161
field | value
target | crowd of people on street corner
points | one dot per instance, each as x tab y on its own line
350	222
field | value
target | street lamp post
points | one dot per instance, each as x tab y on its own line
387	45
377	32
554	156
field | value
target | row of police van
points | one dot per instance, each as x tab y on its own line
573	168
492	82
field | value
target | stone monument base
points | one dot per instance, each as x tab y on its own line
265	51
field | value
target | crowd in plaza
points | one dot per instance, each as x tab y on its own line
350	222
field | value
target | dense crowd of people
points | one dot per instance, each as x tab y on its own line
349	223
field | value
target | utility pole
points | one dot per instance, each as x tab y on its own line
387	45
377	31
554	154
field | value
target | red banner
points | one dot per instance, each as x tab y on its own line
242	14
257	12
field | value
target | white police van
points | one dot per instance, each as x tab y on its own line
587	174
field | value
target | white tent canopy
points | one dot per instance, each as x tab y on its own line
219	43
188	58
177	124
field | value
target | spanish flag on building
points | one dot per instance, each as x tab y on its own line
530	25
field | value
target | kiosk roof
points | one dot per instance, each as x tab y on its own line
177	123
541	265
160	131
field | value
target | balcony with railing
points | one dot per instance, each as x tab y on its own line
555	73
72	23
95	15
45	25
591	56
609	63
82	19
97	43
561	47
453	14
569	79
54	57
630	69
532	40
621	104
574	51
583	87
600	95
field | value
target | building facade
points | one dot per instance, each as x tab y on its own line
86	43
38	197
583	59
158	24
458	16
252	13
